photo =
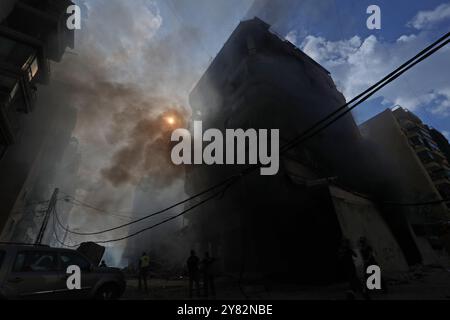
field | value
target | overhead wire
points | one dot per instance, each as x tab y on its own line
307	134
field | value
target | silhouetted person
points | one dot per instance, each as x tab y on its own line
193	272
103	264
346	255
369	259
367	254
208	275
144	264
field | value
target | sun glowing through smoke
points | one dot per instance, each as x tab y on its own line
170	120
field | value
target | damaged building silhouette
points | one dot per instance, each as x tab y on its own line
291	225
35	135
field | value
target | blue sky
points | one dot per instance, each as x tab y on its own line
328	29
351	18
162	47
426	90
333	32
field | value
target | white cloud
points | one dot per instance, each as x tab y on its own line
406	38
446	134
426	19
292	37
357	63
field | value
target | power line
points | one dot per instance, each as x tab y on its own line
77	202
158	212
51	205
217	194
300	138
307	134
32	204
424	54
55	235
96	210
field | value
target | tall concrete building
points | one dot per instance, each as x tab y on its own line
32	33
424	141
442	142
411	158
290	224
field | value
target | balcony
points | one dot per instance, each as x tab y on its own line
442	183
432	166
417	131
420	148
439	155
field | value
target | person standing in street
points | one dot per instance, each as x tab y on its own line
144	264
193	272
208	275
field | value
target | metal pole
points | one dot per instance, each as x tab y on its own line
51	205
65	234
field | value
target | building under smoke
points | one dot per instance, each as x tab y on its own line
292	224
32	33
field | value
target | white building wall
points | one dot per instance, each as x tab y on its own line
358	218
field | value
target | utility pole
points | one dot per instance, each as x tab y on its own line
49	211
65	234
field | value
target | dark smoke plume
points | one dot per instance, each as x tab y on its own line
147	150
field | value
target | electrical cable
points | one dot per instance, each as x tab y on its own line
217	194
312	131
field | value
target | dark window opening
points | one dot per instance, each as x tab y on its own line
35	261
73	259
2	257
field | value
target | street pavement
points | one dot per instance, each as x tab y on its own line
426	284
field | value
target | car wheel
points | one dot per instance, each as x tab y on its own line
108	292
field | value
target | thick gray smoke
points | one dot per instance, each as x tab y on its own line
134	64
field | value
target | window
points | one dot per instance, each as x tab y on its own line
431	144
73	259
416	141
13	91
426	156
2	256
35	261
34	68
31	67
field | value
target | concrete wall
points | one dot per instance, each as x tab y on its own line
358	218
406	172
406	181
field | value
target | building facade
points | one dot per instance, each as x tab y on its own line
291	224
424	141
401	140
32	33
